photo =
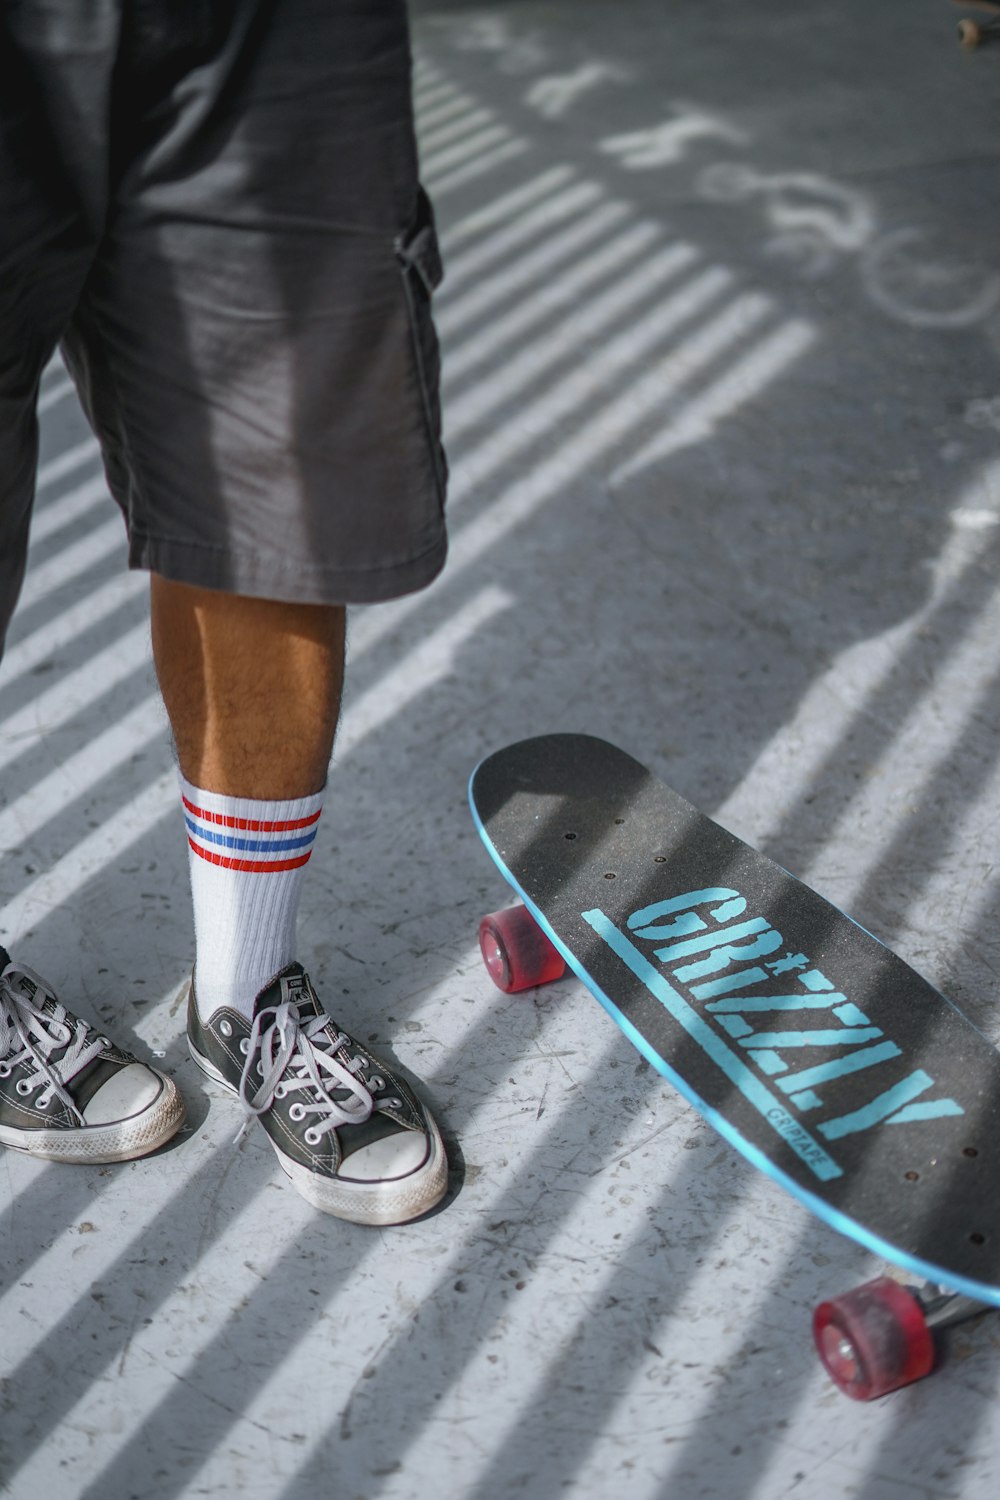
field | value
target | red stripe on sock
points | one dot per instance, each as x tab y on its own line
251	825
251	866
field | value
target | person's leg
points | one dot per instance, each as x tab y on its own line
251	686
66	1092
252	690
256	351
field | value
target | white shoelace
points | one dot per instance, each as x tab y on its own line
55	1045
292	1054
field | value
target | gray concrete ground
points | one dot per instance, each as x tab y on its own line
722	332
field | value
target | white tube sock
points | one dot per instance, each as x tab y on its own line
247	860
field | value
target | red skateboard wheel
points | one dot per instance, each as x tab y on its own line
516	951
873	1339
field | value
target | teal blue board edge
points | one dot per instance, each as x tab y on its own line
842	1223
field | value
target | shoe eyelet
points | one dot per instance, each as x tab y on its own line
5	1070
42	1103
244	1044
297	1112
260	1068
311	1137
226	1028
24	1088
375	1084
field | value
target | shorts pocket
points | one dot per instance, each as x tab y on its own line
419	257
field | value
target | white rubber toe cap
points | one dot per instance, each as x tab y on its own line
385	1160
129	1092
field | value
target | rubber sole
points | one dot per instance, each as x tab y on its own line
121	1140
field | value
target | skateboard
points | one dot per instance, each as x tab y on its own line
971	33
809	1046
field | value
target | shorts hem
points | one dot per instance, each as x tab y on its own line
211	568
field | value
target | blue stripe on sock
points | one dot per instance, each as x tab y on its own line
249	845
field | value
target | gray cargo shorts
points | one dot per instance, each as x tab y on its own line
213	206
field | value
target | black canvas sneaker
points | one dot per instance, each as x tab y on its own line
347	1130
68	1094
